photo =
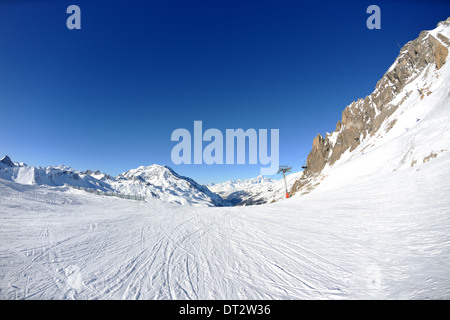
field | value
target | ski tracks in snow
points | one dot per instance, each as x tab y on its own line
83	246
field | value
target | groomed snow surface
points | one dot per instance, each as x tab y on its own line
374	239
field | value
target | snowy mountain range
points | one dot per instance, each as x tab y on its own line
50	175
153	181
258	190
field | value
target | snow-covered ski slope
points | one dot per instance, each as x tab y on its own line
376	227
385	237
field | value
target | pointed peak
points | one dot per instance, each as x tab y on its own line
7	161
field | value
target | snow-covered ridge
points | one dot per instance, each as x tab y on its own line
258	190
153	181
239	184
50	175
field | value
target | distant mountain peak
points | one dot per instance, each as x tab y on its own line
6	160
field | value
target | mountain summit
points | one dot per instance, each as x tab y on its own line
7	161
163	182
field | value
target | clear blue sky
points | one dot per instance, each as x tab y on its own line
108	96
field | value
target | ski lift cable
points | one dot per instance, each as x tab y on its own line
294	163
297	159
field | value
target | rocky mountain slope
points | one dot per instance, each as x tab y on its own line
412	80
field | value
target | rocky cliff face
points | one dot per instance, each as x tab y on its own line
364	117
